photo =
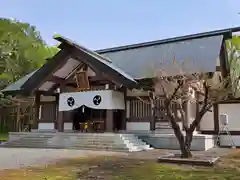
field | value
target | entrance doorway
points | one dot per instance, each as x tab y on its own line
81	116
118	120
88	119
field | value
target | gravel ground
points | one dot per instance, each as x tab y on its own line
156	153
13	158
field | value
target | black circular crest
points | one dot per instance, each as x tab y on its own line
70	101
97	100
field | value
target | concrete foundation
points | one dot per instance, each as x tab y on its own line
156	140
168	141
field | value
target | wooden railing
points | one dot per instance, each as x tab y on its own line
141	110
13	119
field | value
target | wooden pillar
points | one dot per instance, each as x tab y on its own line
109	120
56	117
18	117
60	121
37	110
153	112
216	118
124	113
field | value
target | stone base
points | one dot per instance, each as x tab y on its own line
196	160
200	142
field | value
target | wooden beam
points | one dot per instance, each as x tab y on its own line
56	79
46	93
78	54
61	81
41	75
94	81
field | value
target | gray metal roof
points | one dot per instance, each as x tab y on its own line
200	55
141	60
16	86
226	32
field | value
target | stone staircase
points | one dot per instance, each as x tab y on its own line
134	143
84	141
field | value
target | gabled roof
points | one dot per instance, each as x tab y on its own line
17	86
100	61
136	61
66	61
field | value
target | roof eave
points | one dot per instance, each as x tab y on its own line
227	33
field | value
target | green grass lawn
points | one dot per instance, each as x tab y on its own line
3	136
117	168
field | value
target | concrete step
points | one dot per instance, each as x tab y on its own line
133	141
137	141
68	145
84	147
64	142
79	137
91	141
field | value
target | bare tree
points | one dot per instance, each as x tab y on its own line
181	87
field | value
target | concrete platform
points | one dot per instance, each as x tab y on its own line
154	139
200	142
83	141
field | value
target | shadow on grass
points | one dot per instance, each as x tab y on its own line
113	168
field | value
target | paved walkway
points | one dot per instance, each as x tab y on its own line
13	158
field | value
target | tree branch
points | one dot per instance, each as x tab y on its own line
180	83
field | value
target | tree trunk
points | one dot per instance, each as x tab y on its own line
187	144
186	152
184	147
184	142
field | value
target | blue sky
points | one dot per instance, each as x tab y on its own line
101	24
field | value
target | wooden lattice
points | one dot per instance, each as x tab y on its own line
82	81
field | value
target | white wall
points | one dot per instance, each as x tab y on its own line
233	112
138	126
207	122
50	126
45	126
225	140
68	126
